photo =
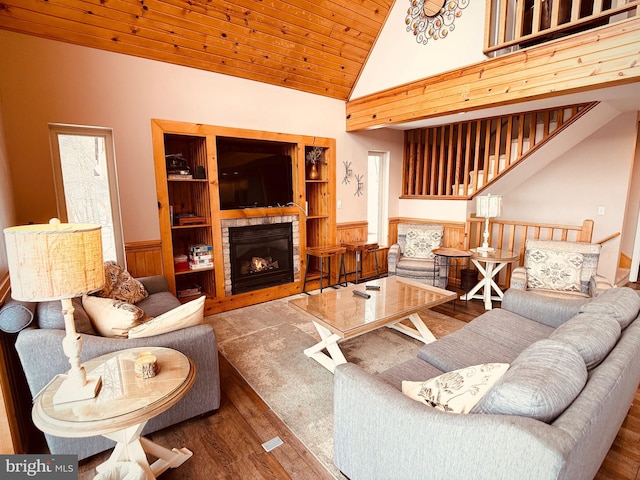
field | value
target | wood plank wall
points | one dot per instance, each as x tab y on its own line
351	232
144	258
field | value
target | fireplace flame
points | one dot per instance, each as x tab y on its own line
258	264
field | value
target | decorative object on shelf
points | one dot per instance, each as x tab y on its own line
314	155
433	19
488	206
177	168
59	261
347	172
360	180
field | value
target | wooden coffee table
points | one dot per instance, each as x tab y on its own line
339	314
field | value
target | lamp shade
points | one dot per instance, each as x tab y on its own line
489	206
54	261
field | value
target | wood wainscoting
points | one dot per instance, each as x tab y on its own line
351	232
144	259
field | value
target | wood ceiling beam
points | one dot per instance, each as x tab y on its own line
604	57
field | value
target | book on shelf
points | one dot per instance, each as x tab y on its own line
189	291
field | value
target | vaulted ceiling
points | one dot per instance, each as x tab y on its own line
317	47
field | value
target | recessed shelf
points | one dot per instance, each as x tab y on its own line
186	272
183	227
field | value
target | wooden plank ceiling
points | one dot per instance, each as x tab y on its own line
317	47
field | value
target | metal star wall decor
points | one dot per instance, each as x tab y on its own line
433	19
360	180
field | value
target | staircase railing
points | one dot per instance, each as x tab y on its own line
512	24
460	159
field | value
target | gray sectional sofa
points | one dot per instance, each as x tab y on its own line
39	348
574	371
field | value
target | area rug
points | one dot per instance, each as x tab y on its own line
265	344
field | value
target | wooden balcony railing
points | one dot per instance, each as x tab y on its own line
512	24
460	159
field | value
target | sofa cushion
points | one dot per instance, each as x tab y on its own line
463	348
457	391
541	383
416	268
421	242
120	285
549	311
593	336
15	315
112	318
551	270
187	315
623	304
509	329
158	303
414	369
49	315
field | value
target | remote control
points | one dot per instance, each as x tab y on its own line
372	287
361	294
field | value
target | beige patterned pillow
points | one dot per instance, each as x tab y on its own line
457	391
120	285
554	270
112	318
420	243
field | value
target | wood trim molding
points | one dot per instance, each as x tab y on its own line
4	288
598	58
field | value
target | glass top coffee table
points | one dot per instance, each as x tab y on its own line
339	314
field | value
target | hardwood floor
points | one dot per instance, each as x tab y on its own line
229	443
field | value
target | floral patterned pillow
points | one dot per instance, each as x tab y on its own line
554	270
120	285
457	391
419	243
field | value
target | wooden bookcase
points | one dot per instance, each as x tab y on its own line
313	203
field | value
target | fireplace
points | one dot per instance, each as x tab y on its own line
261	256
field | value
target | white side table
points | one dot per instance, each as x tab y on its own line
123	406
489	264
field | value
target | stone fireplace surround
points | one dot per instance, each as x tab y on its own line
265	220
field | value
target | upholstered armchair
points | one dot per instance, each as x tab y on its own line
412	256
560	269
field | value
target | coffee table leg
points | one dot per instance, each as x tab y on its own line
329	341
421	332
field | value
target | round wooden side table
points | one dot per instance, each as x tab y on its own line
123	406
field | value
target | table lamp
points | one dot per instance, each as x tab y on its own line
58	261
488	206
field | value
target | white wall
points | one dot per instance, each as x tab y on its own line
569	190
6	200
397	58
46	82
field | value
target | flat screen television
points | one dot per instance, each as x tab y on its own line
251	180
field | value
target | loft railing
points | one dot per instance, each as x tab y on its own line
512	24
460	159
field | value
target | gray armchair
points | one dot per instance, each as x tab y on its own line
560	269
412	257
42	357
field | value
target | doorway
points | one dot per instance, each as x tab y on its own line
378	198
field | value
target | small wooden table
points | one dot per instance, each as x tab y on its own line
494	262
360	248
339	314
321	253
123	406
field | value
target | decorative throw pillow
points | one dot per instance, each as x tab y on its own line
15	315
623	304
120	285
593	336
110	317
419	243
541	383
187	315
457	391
553	270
